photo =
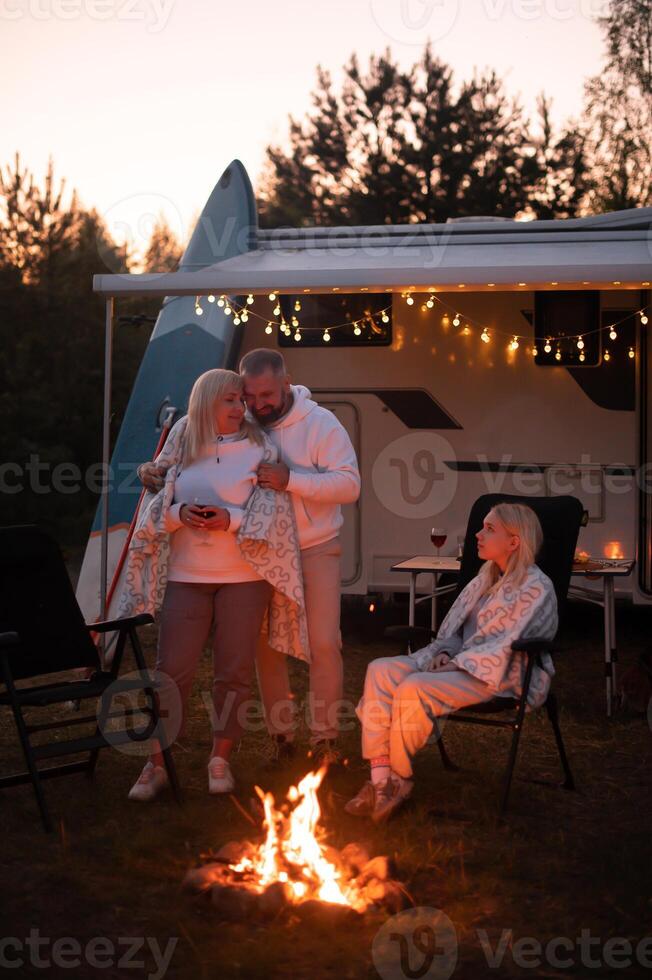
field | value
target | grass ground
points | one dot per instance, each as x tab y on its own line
562	863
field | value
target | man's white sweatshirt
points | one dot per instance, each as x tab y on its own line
323	467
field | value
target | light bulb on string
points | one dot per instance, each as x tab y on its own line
245	316
272	297
430	303
631	353
485	336
297	305
220	301
644	319
356	329
467	330
558	355
456	320
326	338
297	336
277	310
269	328
385	318
211	297
582	356
547	346
410	301
236	319
612	333
580	343
227	310
250	299
535	352
198	310
514	343
294	321
445	320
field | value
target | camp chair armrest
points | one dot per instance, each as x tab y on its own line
533	645
142	619
8	641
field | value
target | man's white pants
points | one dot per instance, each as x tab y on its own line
400	702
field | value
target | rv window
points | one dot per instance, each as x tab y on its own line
342	313
561	320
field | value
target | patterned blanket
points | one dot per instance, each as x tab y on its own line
267	538
530	610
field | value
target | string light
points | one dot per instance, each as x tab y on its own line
242	316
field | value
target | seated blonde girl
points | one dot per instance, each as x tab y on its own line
469	662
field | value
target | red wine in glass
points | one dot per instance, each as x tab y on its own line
438	537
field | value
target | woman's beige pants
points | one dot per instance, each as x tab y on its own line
400	702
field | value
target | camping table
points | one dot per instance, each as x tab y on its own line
435	565
607	570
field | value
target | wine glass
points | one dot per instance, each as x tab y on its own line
204	537
438	537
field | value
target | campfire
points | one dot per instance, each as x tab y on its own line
293	870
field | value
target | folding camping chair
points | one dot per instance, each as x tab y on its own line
560	519
42	631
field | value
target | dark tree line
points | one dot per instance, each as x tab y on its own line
391	146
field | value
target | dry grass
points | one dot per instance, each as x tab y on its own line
563	862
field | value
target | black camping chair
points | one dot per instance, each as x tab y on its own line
42	631
561	518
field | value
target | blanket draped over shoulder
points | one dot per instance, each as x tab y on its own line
529	610
267	538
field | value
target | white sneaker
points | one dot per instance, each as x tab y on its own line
149	784
220	777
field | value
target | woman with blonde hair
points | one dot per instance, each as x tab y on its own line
212	548
469	662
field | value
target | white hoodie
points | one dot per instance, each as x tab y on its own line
323	467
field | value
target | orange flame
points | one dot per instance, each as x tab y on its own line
292	852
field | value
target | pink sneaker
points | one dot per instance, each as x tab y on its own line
149	784
220	777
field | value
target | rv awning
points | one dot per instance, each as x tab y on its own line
612	250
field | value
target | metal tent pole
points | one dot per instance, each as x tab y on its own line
106	460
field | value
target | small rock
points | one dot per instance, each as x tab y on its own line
235	851
354	857
326	913
274	899
379	867
234	902
199	880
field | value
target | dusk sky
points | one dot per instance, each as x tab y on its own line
142	103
